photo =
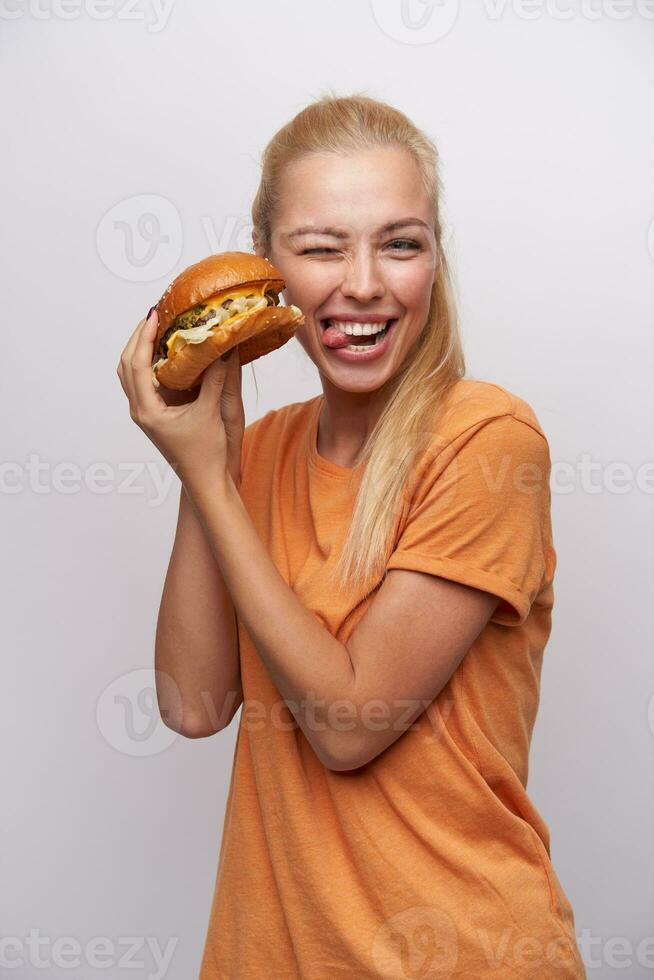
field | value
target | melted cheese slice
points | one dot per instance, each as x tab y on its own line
243	301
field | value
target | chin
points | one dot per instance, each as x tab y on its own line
347	377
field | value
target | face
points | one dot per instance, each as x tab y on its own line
353	237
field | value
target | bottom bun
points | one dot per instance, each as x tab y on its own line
254	334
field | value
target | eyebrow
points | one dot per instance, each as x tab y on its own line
336	233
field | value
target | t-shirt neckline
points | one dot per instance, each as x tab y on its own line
318	462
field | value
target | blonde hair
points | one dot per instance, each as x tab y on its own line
435	360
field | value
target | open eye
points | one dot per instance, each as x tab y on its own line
407	243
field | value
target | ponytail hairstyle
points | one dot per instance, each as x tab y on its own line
431	366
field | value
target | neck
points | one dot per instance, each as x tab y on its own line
346	420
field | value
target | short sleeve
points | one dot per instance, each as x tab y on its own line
480	515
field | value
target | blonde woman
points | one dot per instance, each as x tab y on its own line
369	573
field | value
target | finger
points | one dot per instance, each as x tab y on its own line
231	403
233	373
124	370
126	359
130	346
213	381
141	366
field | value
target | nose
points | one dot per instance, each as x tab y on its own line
362	279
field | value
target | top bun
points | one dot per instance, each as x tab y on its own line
214	274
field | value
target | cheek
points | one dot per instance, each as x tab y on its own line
308	288
411	285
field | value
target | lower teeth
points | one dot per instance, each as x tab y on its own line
378	339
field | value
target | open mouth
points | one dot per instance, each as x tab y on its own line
354	336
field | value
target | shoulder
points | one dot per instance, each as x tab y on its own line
481	428
472	404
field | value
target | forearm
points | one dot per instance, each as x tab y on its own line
196	649
310	667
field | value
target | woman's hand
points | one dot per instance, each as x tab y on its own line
196	436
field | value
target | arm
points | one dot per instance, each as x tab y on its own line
197	639
197	668
197	663
410	641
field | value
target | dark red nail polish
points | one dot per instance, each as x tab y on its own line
147	316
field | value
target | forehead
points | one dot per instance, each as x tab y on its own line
375	185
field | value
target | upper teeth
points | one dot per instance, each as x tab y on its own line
358	329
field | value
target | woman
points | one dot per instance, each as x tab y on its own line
370	574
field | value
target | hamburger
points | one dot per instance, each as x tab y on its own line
227	300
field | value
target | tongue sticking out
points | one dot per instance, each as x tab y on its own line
332	337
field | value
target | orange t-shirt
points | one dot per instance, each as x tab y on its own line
430	861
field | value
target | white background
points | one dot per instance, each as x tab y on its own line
112	823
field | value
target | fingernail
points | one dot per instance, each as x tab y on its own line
225	356
150	312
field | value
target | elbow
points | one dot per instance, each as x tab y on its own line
342	752
190	728
189	725
192	731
